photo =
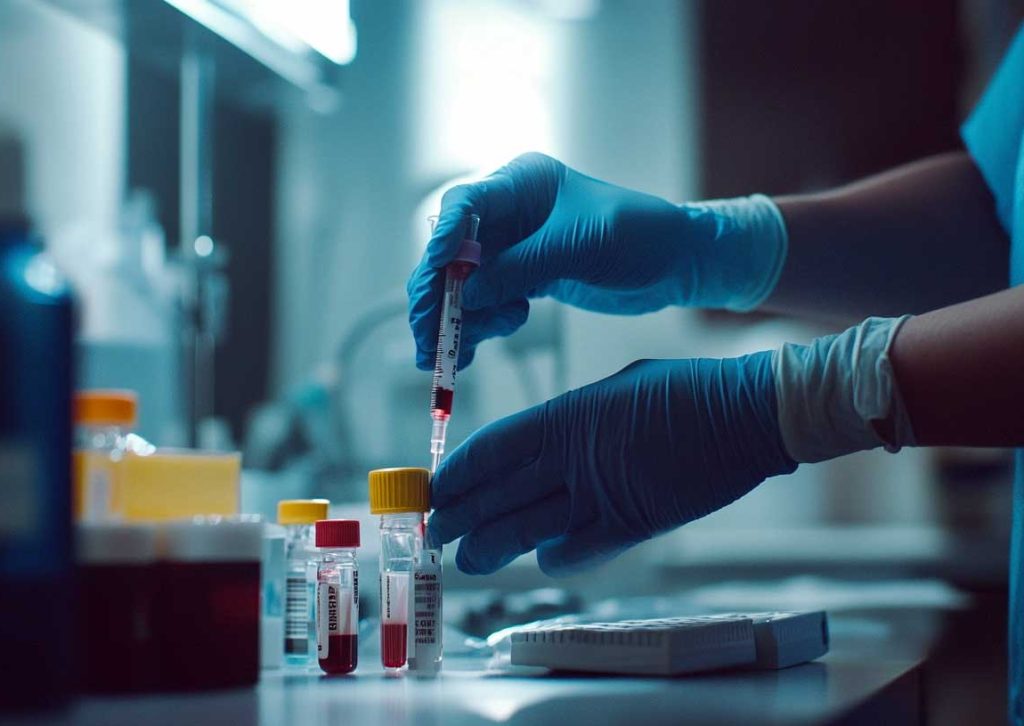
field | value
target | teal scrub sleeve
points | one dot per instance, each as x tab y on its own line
996	125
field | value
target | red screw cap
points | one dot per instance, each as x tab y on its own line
337	533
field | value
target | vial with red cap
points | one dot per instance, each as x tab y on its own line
337	596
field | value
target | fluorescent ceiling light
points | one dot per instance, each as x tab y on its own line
300	26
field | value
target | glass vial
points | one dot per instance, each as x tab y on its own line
298	517
410	578
337	596
103	420
398	534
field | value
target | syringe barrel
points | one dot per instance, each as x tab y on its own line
449	334
438	433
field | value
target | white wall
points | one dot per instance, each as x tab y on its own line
631	119
62	89
344	197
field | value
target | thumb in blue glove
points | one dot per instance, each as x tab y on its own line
601	468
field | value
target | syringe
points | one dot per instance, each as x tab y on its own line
449	334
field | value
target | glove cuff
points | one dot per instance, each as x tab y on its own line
838	394
752	243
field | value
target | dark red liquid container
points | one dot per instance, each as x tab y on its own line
117	581
209	603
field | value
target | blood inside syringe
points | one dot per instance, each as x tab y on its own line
441	403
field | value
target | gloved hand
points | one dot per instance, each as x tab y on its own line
547	230
600	468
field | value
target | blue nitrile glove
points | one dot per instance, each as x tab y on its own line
547	230
600	468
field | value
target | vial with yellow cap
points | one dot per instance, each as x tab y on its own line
410	574
298	517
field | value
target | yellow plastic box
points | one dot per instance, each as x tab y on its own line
176	483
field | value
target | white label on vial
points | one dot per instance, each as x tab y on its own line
448	340
394	597
425	631
336	614
326	617
97	490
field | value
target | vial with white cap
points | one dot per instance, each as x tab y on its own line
298	517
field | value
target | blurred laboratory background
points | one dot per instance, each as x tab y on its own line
238	190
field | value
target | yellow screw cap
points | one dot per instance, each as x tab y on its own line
301	511
105	408
404	489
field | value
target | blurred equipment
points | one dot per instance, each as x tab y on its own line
310	429
127	335
36	369
672	646
203	294
230	64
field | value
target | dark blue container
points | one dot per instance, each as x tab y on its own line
36	575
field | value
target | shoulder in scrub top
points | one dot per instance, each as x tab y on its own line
994	135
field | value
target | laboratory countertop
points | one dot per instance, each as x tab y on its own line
841	687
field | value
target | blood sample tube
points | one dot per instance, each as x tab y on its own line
449	334
402	498
337	596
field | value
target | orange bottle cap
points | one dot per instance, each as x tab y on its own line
106	408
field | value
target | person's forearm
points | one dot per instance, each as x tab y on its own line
960	372
916	238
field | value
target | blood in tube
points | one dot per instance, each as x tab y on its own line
342	654
394	616
392	644
337	596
